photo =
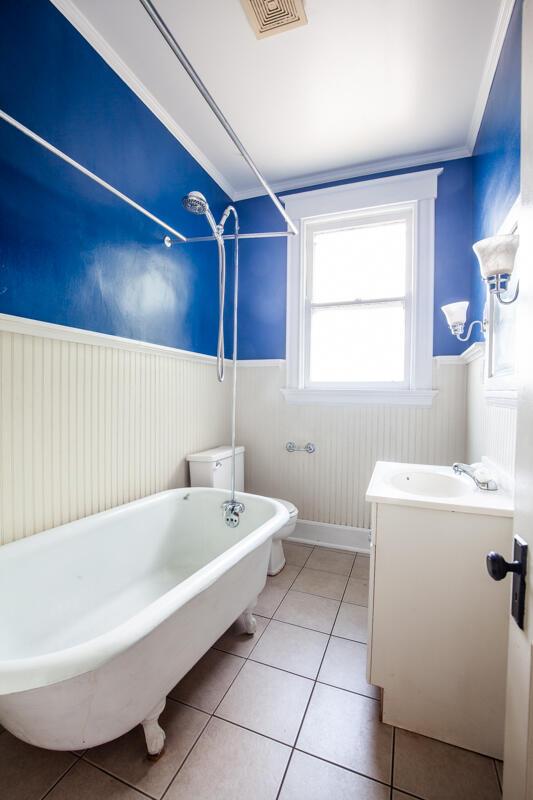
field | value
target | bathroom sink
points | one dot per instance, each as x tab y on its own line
429	484
434	486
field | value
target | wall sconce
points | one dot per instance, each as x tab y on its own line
496	256
455	314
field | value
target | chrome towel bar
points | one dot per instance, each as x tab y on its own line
307	448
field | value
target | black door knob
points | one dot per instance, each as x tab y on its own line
498	567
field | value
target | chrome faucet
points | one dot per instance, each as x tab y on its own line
487	484
232	511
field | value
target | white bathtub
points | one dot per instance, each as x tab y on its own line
103	616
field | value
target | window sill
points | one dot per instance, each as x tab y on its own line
422	398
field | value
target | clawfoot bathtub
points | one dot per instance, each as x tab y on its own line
103	616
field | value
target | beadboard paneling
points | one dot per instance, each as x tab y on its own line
491	429
84	427
330	485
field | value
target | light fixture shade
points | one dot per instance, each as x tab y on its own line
455	313
496	255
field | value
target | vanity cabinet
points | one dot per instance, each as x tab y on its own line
438	624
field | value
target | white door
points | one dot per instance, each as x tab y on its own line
518	766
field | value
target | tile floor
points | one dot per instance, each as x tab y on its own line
284	714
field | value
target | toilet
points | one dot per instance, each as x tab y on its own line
213	468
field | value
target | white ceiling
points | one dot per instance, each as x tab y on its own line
365	82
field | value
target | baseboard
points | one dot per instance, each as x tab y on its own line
342	537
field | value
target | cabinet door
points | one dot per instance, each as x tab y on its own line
440	624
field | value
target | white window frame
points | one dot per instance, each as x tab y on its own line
411	193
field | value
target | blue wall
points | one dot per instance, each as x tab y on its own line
262	301
70	252
496	161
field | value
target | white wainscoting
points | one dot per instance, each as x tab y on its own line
92	423
491	429
330	485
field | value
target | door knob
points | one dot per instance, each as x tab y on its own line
498	567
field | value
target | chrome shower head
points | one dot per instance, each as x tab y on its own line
196	203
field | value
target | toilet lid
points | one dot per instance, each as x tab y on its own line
291	508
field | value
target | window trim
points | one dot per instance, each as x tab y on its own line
416	190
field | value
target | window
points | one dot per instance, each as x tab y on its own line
360	292
358	281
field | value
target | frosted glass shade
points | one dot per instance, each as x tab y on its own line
455	313
496	255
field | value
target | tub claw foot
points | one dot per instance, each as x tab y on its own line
248	620
154	733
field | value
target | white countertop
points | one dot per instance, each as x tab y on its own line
391	481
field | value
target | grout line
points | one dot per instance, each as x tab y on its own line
497	775
123	781
346	769
189	751
308	704
392	762
63	775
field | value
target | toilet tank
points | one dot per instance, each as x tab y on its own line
213	468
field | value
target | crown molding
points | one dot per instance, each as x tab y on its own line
489	70
118	65
370	168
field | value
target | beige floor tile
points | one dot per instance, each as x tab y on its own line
126	757
230	763
309	778
316	581
298	650
337	561
207	682
396	795
27	772
267	701
85	782
356	592
285	578
361	567
344	666
236	641
344	728
308	610
296	554
352	622
269	600
437	771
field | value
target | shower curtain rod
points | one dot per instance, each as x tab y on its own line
100	181
60	154
202	88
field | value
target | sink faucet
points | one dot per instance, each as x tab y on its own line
478	475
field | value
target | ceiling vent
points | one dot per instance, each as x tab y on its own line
268	17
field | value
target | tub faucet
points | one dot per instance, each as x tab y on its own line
232	511
479	476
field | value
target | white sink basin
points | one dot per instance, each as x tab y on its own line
434	486
429	484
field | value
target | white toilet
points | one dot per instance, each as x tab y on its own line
213	468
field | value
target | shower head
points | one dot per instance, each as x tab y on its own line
195	202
